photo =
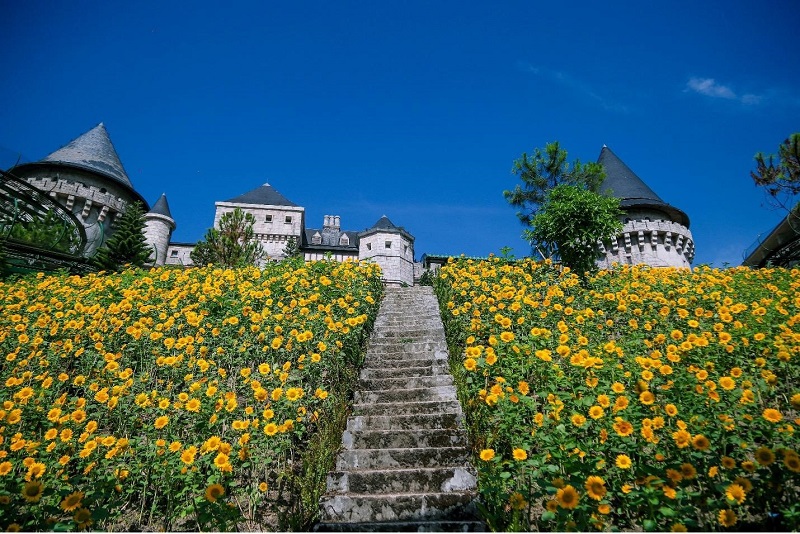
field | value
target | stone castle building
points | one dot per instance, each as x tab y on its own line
653	233
87	177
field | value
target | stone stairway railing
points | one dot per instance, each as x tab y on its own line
404	465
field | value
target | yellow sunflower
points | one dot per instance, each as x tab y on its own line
567	497
214	492
487	454
727	518
772	415
161	422
520	454
596	487
700	442
32	491
792	462
72	501
735	492
764	456
517	501
82	517
623	461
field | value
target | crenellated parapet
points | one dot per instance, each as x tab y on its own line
659	243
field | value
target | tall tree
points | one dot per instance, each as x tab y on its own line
128	245
231	245
292	248
540	173
572	220
781	180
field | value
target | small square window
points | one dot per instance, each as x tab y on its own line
174	254
288	219
388	244
268	218
369	246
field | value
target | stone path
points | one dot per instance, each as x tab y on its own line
405	461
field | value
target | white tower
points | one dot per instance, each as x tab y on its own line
158	229
392	248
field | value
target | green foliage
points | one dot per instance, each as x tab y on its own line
49	232
128	245
232	245
545	170
781	181
572	220
292	248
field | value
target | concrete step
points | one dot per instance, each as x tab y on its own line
378	357
450	421
381	384
399	458
414	480
383	373
406	395
359	508
404	439
404	526
407	408
400	363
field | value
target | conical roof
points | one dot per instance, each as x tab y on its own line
385	224
93	151
161	207
265	195
624	184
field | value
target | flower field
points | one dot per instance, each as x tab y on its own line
645	399
172	399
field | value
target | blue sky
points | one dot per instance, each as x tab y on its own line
415	110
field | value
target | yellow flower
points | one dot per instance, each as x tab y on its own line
595	487
728	462
567	497
688	471
161	422
72	501
487	454
623	428
262	487
214	492
520	454
792	462
32	491
647	398
507	336
5	468
735	492
578	420
682	438
517	501
772	415
188	455
596	412
270	429
82	517
727	518
623	461
700	442
764	456
470	364
671	410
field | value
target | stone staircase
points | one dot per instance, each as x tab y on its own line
404	463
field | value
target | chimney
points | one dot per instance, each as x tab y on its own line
336	222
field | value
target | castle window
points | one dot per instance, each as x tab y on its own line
288	219
344	240
174	254
388	244
369	246
268	218
405	249
316	239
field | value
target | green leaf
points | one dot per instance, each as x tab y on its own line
650	525
666	512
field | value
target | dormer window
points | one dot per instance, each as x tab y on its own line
344	240
316	239
268	218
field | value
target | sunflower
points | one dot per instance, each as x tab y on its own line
487	454
270	429
623	461
727	518
161	422
596	412
567	497
727	383
678	527
682	438
214	492
604	509
671	410
728	462
735	492
470	364
772	415
188	455
764	456
578	420
688	471
647	398
82	517
520	454
617	387
5	468
517	501
622	427
221	460
193	405
32	491
700	442
72	501
596	487
262	487
744	483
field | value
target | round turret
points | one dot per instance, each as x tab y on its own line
158	229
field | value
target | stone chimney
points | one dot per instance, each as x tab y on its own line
331	222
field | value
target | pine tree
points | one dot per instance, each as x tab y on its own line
127	245
232	245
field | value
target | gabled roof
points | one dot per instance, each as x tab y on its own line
93	151
161	206
624	184
266	195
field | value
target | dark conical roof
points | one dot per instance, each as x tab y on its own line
624	184
161	207
265	194
93	151
384	224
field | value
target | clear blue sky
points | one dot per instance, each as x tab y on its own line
415	110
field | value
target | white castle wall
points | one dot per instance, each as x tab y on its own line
274	233
659	243
393	252
179	254
157	232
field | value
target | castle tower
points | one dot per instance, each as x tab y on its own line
87	177
654	233
391	247
277	218
159	225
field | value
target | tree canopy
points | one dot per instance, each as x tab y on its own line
572	220
128	244
781	180
231	245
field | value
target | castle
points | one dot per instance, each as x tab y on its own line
87	177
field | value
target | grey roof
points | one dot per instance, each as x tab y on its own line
95	152
266	195
384	224
161	206
624	184
327	243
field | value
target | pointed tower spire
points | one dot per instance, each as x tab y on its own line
161	207
93	151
